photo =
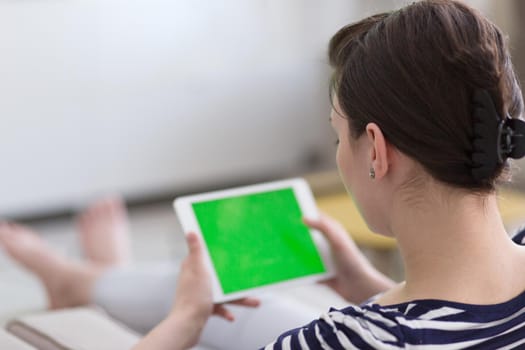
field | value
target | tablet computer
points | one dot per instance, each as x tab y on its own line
255	238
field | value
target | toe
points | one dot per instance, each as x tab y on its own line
6	230
4	235
3	225
101	207
16	228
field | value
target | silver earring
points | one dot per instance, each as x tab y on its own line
372	173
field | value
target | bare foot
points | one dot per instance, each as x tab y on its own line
104	232
67	283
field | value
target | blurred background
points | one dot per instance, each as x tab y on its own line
152	99
156	98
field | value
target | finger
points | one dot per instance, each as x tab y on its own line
194	244
250	302
324	223
331	282
4	233
330	223
221	311
334	232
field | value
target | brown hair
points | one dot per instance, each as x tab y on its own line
413	72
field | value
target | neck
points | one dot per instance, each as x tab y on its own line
454	240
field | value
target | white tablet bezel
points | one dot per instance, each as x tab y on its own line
306	202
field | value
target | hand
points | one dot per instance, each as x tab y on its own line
192	307
356	279
194	294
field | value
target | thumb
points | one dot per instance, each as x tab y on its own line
334	232
194	245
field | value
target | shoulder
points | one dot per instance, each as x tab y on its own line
367	326
429	321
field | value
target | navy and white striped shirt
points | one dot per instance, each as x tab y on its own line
422	324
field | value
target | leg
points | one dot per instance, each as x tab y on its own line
104	238
141	298
104	232
67	283
255	328
138	296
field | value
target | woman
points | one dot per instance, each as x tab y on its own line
425	108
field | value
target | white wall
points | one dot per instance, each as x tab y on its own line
137	96
144	96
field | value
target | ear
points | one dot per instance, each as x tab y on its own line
379	155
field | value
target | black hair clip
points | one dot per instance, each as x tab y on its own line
495	138
511	139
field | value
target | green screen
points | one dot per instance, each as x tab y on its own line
257	239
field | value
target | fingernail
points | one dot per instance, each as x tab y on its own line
192	240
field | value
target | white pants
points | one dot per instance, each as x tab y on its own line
140	297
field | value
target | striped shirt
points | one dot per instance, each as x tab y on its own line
422	324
